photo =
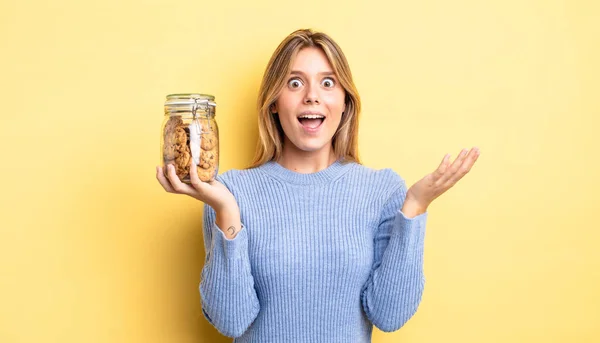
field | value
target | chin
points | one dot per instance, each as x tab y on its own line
312	146
311	149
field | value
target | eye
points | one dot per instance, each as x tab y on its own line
328	82
294	83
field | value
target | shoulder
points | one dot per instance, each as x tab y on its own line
233	177
380	185
386	177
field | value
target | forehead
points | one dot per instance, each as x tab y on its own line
311	60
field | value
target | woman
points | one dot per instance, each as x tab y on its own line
308	245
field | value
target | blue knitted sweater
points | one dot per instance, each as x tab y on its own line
321	257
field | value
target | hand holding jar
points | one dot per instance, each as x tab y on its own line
189	157
213	193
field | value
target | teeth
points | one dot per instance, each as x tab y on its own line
312	116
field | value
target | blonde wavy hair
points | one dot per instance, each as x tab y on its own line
271	135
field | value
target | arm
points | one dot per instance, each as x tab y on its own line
229	300
392	294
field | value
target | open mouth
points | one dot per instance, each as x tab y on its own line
311	121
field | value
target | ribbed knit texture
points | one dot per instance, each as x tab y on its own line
321	257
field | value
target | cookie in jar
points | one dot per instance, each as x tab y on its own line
190	136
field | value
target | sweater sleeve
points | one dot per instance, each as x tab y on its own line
229	300
393	291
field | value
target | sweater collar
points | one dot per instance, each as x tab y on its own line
335	170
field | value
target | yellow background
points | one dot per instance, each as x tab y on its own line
93	250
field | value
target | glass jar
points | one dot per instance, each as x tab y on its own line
190	136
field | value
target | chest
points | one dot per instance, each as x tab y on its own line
315	239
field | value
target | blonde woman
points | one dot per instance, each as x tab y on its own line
307	244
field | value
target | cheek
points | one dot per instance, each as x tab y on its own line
285	101
335	102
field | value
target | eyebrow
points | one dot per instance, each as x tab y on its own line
298	72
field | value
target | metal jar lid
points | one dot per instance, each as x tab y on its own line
190	102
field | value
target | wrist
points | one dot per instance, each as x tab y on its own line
412	208
229	222
231	207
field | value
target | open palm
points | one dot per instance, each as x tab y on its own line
443	178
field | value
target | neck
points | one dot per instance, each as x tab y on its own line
306	162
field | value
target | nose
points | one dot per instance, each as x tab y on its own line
311	96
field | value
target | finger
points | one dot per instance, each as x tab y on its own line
198	184
441	169
468	161
177	185
452	170
160	176
465	166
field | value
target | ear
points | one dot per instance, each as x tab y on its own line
273	108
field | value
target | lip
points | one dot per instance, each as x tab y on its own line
308	129
311	112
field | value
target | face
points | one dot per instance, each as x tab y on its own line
310	105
